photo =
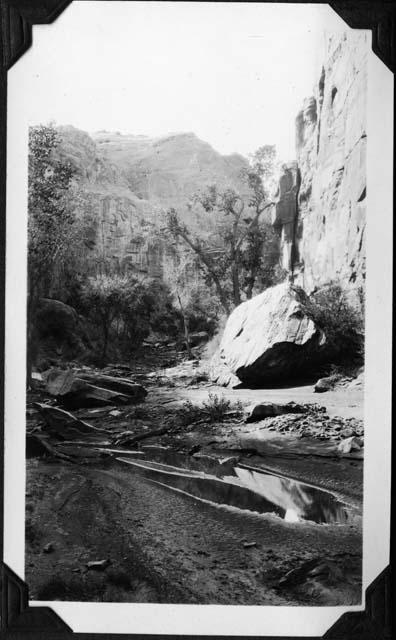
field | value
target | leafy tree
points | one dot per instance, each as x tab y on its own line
342	323
191	297
122	300
232	255
103	299
140	301
51	218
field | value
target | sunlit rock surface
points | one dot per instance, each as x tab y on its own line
327	239
270	337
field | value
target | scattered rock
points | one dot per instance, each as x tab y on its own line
128	438
82	390
75	393
90	396
299	574
325	384
232	460
331	382
194	449
64	424
60	382
189	372
358	382
115	413
134	391
270	338
314	423
270	409
98	565
352	443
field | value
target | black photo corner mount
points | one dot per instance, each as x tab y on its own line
18	619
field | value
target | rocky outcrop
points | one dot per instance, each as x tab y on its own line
326	242
270	338
60	331
92	389
166	171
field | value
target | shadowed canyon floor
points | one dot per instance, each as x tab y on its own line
208	513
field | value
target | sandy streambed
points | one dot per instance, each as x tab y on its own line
165	543
213	514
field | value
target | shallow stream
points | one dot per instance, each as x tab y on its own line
227	482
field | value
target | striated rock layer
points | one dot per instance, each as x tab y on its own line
269	338
323	227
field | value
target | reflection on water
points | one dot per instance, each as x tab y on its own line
245	488
299	501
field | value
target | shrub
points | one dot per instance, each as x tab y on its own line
189	413
214	409
342	324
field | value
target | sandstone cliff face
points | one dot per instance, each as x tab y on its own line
117	223
125	182
168	170
326	240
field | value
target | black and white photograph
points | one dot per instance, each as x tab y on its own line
197	223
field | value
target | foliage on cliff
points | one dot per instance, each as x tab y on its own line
342	323
53	231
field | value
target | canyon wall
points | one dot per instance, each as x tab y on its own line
320	210
126	182
118	225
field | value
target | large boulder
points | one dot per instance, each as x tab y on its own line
60	332
56	317
269	339
271	410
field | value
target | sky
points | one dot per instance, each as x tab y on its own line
235	74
